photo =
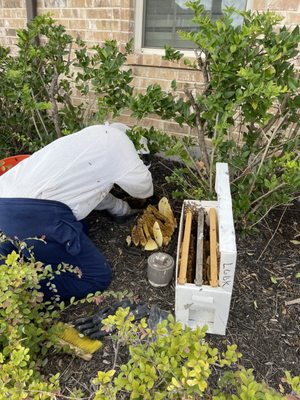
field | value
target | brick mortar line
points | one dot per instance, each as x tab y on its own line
159	66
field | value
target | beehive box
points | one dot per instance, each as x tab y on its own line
199	304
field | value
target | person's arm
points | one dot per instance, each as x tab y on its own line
113	205
137	182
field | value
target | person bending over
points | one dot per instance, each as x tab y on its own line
50	193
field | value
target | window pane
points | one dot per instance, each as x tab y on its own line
239	5
164	18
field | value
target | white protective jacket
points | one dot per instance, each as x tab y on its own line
79	170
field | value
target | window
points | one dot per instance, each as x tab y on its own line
158	21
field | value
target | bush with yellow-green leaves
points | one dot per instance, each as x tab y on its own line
172	362
169	362
24	337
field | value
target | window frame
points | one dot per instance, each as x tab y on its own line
138	31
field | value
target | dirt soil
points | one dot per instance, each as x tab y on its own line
264	326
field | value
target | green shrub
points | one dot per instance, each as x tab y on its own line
20	380
173	362
39	84
27	327
170	362
245	113
293	381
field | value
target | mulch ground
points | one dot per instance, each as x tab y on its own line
265	328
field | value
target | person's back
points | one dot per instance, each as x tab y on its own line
77	170
48	194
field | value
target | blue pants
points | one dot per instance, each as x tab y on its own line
66	242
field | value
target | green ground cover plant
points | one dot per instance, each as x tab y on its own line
173	362
25	320
168	362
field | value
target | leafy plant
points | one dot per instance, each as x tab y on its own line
39	86
241	384
172	362
24	327
28	325
245	113
168	362
293	381
19	379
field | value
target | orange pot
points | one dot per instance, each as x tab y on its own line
9	162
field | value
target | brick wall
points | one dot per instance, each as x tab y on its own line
98	20
94	20
288	9
12	17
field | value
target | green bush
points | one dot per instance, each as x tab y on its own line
39	84
245	113
25	324
170	362
28	326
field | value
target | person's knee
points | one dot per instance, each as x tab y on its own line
95	275
105	277
67	285
6	248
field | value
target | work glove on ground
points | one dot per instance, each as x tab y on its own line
91	326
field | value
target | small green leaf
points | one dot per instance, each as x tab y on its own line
174	84
175	382
254	105
273	279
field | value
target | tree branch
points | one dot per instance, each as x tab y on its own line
212	157
35	125
51	92
280	111
266	152
274	233
258	200
200	133
202	180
